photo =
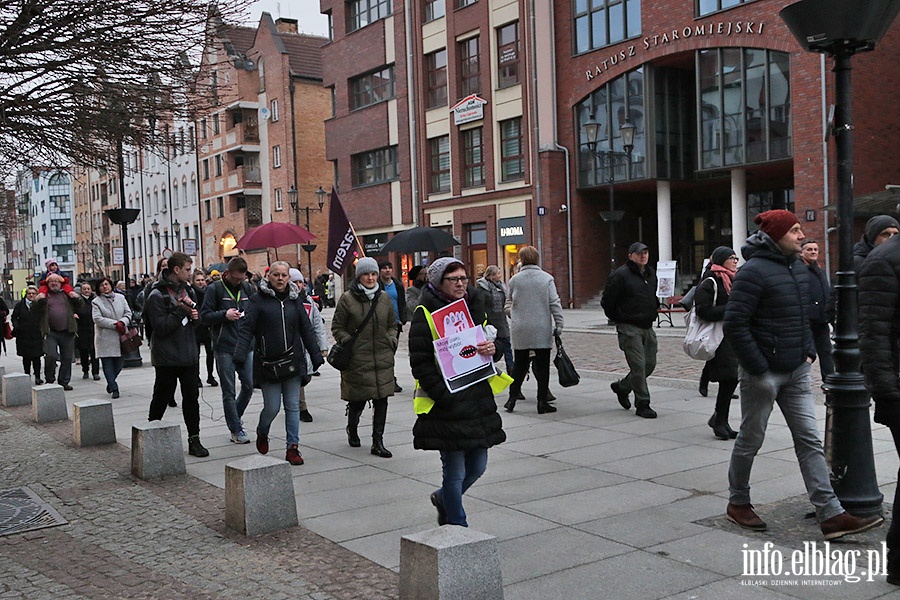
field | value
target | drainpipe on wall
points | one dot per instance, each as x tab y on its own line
535	141
411	95
825	194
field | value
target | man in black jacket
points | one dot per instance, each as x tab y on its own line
879	332
820	306
768	328
223	312
172	312
630	301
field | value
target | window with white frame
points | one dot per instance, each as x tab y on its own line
279	205
276	156
274	111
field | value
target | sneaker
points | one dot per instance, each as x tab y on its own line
745	516
195	448
622	396
293	455
67	387
442	514
240	437
262	444
212	381
315	373
115	394
645	412
845	524
305	416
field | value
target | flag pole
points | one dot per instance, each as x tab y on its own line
359	245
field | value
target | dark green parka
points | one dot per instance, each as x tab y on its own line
371	371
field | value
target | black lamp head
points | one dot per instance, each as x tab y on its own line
832	26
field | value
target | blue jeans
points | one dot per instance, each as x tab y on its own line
505	344
461	468
273	396
112	366
234	409
793	393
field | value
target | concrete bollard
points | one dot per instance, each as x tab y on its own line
259	495
48	403
156	450
16	389
93	422
448	563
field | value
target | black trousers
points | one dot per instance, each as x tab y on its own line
89	361
540	366
893	534
167	378
29	362
210	358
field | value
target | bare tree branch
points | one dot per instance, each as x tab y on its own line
77	74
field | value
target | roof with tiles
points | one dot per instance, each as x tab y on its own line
305	54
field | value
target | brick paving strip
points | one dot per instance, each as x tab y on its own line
128	538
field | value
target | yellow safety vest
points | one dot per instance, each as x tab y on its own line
423	404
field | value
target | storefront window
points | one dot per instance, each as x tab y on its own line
744	106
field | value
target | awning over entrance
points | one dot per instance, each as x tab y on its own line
886	202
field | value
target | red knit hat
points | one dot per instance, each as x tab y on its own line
776	223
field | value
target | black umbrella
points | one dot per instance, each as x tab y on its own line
420	239
219	266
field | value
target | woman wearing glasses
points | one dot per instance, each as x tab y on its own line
535	317
462	425
709	300
370	375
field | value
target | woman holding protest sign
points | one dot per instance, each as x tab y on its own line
461	425
365	314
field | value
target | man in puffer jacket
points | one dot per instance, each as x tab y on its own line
879	331
768	329
878	229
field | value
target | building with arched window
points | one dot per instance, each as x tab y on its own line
729	116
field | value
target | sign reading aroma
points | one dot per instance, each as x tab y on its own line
725	28
470	108
511	231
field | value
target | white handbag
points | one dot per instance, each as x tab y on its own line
702	338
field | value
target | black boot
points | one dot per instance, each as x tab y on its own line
378	421
354	410
718	425
545	407
511	403
195	448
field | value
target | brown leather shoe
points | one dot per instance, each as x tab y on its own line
845	524
743	515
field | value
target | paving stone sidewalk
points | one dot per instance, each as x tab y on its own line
589	502
127	538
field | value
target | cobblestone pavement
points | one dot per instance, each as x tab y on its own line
128	538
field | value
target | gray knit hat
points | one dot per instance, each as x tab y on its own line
366	265
437	269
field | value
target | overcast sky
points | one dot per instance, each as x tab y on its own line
310	20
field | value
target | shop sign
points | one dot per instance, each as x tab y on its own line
470	108
511	231
373	245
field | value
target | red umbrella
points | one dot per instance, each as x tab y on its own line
273	235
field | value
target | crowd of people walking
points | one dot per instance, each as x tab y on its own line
771	301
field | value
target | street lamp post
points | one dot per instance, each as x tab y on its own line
841	29
295	206
610	159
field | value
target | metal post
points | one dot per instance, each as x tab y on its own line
848	433
308	252
612	218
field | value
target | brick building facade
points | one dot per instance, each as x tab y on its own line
728	112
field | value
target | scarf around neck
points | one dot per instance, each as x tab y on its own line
726	275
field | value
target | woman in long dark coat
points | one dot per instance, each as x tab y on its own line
84	342
723	367
27	330
461	425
